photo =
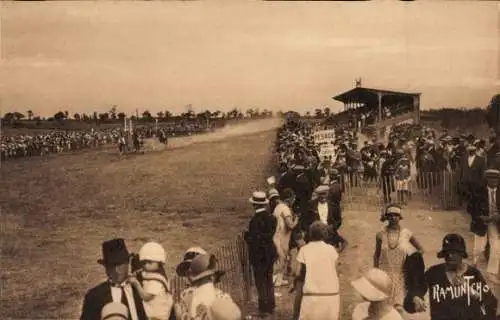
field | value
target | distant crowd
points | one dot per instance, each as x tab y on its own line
59	141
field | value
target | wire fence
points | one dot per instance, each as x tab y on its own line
232	257
426	190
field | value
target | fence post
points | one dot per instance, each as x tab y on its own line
245	267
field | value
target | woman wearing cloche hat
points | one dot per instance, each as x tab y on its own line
375	288
457	290
198	299
393	245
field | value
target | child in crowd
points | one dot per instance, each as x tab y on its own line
402	176
152	282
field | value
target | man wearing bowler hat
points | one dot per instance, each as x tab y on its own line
115	259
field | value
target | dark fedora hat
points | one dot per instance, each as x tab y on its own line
114	252
453	242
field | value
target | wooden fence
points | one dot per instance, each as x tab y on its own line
232	257
425	190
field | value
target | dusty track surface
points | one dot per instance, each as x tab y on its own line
56	211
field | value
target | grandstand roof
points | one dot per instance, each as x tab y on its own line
360	94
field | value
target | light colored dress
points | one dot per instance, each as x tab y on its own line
282	235
321	299
161	306
392	258
194	301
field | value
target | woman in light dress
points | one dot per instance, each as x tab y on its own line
393	244
318	269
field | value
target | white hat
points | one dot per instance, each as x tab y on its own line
322	189
273	193
114	311
183	267
375	285
152	251
271	180
259	197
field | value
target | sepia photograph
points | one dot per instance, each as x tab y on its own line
243	160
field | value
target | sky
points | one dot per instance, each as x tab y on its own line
88	56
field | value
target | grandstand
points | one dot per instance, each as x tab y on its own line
368	107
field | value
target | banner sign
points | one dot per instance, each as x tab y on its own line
327	151
409	121
324	136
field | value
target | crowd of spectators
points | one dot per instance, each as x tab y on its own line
58	141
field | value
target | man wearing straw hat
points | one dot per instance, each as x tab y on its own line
262	251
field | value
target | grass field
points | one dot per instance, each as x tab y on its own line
57	211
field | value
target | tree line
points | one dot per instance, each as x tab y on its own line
115	115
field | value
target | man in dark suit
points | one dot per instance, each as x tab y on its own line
116	289
471	172
262	251
485	224
327	212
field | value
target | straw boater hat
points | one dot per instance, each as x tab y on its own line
114	311
375	285
273	193
259	197
492	174
453	242
471	147
183	267
391	209
322	189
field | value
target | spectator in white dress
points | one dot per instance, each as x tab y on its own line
318	267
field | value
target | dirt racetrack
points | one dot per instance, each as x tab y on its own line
57	211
